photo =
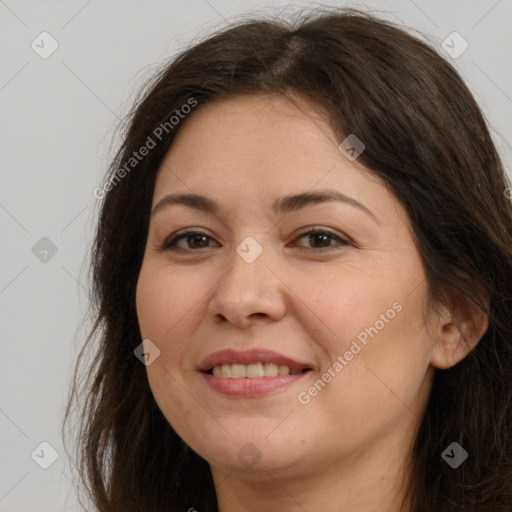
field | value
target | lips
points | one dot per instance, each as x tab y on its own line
247	357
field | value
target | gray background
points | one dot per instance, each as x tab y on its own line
58	117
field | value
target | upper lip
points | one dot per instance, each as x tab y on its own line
246	357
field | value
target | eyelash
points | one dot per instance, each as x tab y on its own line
168	244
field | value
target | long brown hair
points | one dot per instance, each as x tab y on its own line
426	138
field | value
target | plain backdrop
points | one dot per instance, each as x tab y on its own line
58	114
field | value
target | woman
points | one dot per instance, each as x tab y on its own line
303	273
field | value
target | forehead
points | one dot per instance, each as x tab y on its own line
262	141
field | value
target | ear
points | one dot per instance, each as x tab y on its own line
459	327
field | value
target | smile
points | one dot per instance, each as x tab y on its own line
253	370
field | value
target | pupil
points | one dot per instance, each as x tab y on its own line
195	238
319	236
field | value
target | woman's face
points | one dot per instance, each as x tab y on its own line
348	303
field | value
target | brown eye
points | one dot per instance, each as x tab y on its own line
320	239
194	240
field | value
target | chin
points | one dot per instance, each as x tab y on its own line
253	454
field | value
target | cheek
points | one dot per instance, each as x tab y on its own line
349	305
376	328
165	307
166	302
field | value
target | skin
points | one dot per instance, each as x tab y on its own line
348	448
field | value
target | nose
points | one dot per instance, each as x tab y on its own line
248	292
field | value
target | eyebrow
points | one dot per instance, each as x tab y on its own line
284	204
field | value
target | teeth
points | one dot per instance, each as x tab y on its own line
256	370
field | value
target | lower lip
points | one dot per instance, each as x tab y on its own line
251	388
